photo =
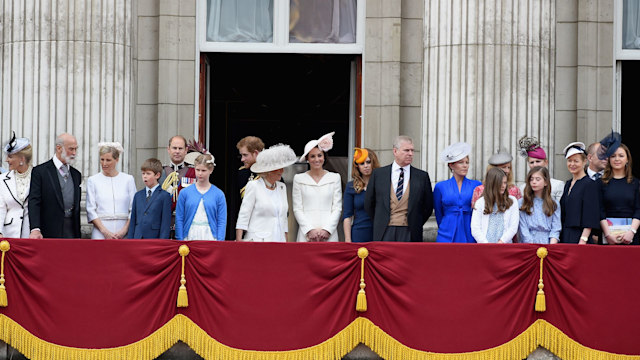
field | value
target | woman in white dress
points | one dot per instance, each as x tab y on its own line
263	213
14	189
109	196
317	195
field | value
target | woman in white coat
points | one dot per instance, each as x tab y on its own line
317	195
263	213
14	189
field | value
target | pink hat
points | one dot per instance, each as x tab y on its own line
530	146
537	153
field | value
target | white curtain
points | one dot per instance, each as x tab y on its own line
322	21
240	20
631	24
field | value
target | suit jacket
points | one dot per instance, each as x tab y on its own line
377	201
150	219
46	208
14	214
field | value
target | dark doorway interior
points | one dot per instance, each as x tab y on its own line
628	112
281	98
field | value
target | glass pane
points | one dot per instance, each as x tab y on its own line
322	21
240	20
631	24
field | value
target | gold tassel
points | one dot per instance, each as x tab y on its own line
183	299
541	303
361	301
4	247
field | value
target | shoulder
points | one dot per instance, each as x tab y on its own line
333	177
216	191
418	172
479	203
381	170
6	175
473	182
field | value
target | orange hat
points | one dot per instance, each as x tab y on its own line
360	155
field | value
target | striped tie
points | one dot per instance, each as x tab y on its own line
400	184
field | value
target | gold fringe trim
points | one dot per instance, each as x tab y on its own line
361	330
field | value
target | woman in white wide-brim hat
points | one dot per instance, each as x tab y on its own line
317	194
14	189
452	198
263	213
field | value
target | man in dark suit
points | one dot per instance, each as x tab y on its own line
399	199
54	195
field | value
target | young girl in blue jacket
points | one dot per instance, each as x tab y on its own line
201	210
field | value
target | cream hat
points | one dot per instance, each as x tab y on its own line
573	148
455	152
16	144
500	157
275	157
325	143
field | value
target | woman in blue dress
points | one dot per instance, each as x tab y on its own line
452	198
357	223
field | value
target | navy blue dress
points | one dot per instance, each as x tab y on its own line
579	209
621	199
353	205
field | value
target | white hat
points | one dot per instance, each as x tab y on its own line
455	152
573	148
325	143
275	157
16	144
191	157
500	157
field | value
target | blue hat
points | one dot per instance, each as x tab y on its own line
609	145
16	144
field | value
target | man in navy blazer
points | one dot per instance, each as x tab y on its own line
399	199
54	195
151	209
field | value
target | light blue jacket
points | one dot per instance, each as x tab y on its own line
215	205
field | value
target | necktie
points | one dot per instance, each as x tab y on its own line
65	172
148	194
400	184
597	176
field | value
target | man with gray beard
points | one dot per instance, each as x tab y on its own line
54	196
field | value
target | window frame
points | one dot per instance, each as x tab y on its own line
280	42
619	52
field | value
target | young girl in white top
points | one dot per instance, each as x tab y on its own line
495	214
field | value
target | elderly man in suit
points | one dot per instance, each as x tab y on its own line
54	197
399	199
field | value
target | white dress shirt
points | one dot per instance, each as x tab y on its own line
395	176
592	174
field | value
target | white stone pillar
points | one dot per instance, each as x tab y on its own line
488	78
65	66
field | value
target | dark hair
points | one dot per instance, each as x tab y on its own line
548	205
358	181
491	193
152	164
608	172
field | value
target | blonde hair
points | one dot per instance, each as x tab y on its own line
206	160
108	149
27	152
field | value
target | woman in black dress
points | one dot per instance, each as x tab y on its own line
580	202
620	193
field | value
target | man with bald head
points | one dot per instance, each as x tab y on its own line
54	195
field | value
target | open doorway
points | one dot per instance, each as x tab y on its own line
281	98
628	112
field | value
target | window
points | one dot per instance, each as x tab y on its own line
282	26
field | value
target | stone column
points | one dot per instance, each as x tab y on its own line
65	66
489	77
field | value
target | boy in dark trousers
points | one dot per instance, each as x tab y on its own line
151	209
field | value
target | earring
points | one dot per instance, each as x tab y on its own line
21	163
